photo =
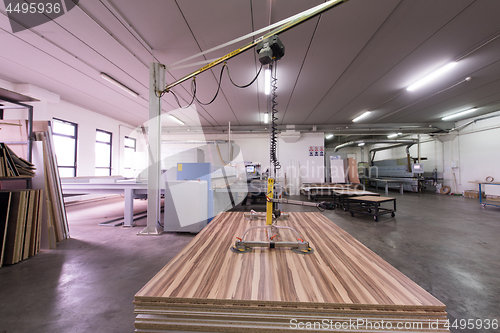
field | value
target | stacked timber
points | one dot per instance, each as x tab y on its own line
57	221
20	224
13	166
341	286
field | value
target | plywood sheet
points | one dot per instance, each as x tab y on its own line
355	192
373	198
341	270
206	287
352	170
4	218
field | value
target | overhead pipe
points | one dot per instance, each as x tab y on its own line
373	131
407	143
408	157
471	122
398	143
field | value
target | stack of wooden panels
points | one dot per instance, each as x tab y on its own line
341	286
56	212
12	166
20	224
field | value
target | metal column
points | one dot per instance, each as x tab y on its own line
156	83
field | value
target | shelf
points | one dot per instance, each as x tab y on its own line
15	178
490	203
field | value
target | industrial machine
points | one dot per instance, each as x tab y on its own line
395	171
193	181
252	171
270	50
210	189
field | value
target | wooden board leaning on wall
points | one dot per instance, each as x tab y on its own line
57	219
20	224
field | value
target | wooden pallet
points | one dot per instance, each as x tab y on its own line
206	287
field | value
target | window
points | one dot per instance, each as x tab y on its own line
65	136
103	153
128	160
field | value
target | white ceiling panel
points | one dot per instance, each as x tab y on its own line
358	56
332	52
400	35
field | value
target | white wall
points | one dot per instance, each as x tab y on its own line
479	153
470	154
87	120
297	163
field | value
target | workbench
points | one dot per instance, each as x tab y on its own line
208	288
370	205
485	203
313	190
341	197
387	183
129	190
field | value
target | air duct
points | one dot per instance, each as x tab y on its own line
290	135
396	143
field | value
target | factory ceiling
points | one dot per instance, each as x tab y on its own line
359	56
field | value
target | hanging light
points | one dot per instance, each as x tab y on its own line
118	84
266	118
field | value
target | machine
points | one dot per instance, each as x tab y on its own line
270	50
395	171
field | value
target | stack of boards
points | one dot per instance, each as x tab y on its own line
20	224
56	212
341	286
12	166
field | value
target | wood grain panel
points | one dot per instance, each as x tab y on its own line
206	287
341	270
373	198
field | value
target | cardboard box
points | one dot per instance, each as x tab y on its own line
473	194
493	197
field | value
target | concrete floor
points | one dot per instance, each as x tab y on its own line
448	245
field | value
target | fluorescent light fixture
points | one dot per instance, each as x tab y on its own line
177	120
118	84
267	81
266	118
329	136
432	76
361	144
358	118
459	114
394	135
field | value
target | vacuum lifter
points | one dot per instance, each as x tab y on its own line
270	49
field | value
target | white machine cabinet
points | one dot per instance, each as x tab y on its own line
186	206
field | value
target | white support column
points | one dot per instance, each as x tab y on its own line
128	217
156	83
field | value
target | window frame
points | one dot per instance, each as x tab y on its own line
75	137
129	147
110	143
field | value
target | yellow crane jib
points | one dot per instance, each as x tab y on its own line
269	203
